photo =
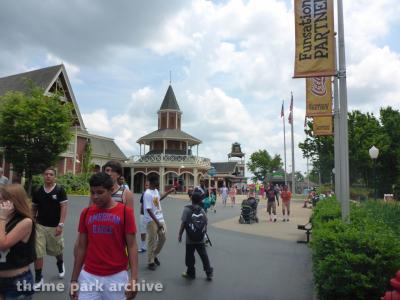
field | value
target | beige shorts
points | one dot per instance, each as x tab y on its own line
286	205
47	242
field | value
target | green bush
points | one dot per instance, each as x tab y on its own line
353	261
73	184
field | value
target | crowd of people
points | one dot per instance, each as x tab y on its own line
107	230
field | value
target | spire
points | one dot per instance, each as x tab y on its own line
169	101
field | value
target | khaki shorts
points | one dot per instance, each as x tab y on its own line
47	242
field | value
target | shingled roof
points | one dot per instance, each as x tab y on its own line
18	82
169	101
169	134
105	147
224	167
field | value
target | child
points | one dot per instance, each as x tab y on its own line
195	241
106	229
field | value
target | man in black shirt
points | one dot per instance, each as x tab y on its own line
49	205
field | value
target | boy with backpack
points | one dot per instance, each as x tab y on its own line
194	222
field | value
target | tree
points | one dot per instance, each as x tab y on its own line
261	164
34	130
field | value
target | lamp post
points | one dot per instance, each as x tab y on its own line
373	153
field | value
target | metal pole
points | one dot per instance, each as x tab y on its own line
293	167
344	143
336	124
375	179
284	144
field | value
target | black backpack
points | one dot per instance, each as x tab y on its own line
196	224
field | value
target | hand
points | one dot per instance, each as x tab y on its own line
160	227
6	209
130	291
73	290
59	230
179	238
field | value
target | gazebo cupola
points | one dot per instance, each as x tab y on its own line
169	115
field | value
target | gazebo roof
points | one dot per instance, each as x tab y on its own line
169	134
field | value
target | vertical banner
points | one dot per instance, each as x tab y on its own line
323	126
318	96
315	44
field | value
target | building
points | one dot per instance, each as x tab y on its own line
231	172
168	152
55	79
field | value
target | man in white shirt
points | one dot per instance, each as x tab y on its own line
154	220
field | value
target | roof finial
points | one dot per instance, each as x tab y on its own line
170	77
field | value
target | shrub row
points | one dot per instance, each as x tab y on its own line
73	184
356	260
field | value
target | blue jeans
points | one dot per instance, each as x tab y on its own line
13	287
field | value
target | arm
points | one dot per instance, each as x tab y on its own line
181	229
167	193
18	233
63	214
128	198
78	263
151	214
133	262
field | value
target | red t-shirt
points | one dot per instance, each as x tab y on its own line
286	196
105	253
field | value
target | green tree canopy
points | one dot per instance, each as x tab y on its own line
34	130
261	164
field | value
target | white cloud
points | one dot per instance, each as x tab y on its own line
97	122
72	70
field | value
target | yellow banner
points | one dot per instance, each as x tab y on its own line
323	126
315	46
318	96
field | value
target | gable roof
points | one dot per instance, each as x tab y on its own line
169	101
18	82
224	167
43	78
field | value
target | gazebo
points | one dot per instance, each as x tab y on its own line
168	152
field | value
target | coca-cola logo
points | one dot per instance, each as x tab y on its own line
318	86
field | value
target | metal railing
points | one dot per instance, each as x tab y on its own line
159	158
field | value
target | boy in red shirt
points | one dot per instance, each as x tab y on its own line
105	231
286	196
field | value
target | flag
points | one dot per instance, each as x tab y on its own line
282	111
291	111
314	35
323	125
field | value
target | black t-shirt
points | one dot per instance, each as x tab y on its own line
21	254
48	205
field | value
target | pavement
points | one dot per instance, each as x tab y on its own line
256	261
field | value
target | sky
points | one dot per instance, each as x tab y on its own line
231	62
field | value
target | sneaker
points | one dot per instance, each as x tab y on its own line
141	250
37	286
157	262
287	220
186	275
210	274
152	266
283	220
61	270
274	219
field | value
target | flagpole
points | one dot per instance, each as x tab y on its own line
284	142
293	167
344	142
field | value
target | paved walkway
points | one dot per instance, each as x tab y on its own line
266	264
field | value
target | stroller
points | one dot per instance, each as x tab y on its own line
248	214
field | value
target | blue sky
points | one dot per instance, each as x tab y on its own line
231	64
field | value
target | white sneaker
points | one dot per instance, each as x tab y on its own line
37	286
62	273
